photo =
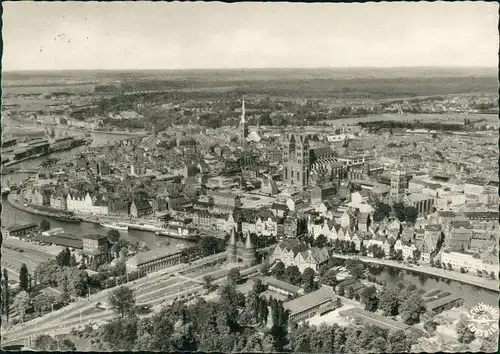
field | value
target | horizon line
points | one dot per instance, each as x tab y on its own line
267	68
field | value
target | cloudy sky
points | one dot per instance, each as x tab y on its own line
48	36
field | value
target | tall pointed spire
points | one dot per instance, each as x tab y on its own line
243	110
248	242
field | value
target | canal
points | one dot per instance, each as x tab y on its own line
472	295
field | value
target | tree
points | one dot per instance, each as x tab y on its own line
411	308
490	344
72	261
357	271
464	334
264	269
430	326
207	279
44	225
329	278
258	287
308	283
120	334
78	281
349	293
320	241
122	300
397	342
113	236
5	294
234	276
24	278
369	298
292	275
63	258
278	270
411	214
382	210
21	303
417	254
42	302
341	291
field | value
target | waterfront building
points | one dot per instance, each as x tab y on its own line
467	261
139	208
21	230
315	303
151	261
458	235
61	239
85	204
293	252
356	314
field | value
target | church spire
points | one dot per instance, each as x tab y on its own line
243	110
243	125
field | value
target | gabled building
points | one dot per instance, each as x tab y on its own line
140	207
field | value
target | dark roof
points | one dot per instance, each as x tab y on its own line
279	206
374	319
142	204
310	300
433	227
281	285
489	215
60	241
460	224
432	305
476	182
149	256
21	227
446	213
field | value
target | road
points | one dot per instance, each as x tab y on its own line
448	274
153	289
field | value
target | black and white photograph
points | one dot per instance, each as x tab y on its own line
250	177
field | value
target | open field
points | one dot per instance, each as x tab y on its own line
311	83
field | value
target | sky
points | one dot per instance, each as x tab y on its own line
122	36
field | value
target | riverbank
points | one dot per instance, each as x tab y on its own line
97	220
446	274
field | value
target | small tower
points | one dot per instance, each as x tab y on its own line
243	129
231	248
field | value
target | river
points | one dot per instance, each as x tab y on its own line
472	295
11	215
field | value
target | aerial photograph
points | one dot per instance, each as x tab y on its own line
250	177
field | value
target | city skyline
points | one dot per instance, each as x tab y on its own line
126	36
